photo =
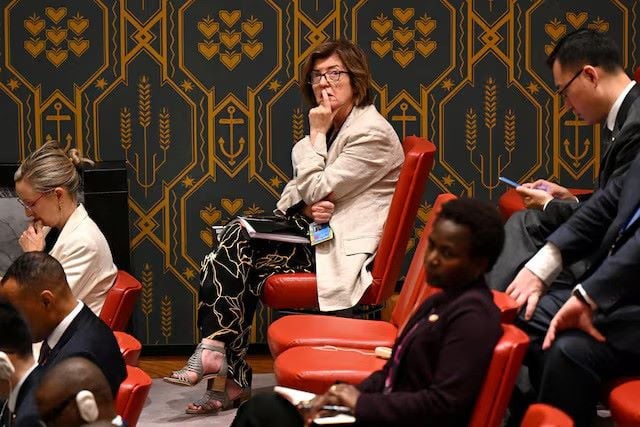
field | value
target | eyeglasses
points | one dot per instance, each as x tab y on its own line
31	205
332	76
562	92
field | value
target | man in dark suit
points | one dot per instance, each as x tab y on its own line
36	285
587	68
592	332
19	373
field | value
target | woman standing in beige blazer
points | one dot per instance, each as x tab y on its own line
47	184
344	173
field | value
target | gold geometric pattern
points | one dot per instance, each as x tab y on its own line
56	37
202	101
229	46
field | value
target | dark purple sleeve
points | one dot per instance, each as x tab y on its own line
465	354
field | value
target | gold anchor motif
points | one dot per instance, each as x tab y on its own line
59	118
576	155
403	118
231	154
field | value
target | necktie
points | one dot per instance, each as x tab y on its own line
44	353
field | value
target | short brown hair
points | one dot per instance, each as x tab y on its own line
354	60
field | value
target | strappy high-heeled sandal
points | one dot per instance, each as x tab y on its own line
194	364
216	398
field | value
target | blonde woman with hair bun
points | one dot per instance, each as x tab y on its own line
47	185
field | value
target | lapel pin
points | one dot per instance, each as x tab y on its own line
433	317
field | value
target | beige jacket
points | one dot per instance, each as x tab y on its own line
84	253
360	172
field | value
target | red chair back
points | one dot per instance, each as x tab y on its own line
406	199
541	415
132	395
636	75
624	403
501	376
415	290
299	290
120	302
129	347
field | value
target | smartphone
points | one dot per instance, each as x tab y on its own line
509	181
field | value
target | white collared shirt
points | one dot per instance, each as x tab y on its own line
613	113
13	396
55	336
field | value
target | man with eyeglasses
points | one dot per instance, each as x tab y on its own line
587	70
590	80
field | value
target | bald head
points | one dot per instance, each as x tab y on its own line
36	285
57	393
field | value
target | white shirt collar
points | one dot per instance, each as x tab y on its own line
13	396
613	113
55	336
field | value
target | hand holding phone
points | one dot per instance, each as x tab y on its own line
508	181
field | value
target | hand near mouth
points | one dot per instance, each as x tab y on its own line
32	239
321	117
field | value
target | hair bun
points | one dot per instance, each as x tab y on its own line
77	159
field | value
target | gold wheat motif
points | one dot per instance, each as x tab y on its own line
471	129
510	130
147	290
490	103
126	135
297	125
165	318
164	128
144	102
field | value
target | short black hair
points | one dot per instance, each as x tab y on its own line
484	222
36	271
586	47
14	332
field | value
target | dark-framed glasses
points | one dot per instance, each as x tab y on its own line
563	92
332	76
31	205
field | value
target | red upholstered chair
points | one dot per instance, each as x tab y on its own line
129	347
541	415
624	403
132	395
315	369
299	290
315	330
501	377
297	330
120	302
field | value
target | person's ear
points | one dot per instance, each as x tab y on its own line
480	265
6	367
591	73
47	298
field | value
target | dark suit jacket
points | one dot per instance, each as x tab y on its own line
88	336
442	369
26	411
618	156
613	279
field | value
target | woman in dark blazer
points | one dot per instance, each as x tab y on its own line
440	359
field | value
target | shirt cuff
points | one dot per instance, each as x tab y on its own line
582	294
546	264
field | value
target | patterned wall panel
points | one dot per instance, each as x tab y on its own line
201	99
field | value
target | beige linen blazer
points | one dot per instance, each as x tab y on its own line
358	173
84	253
